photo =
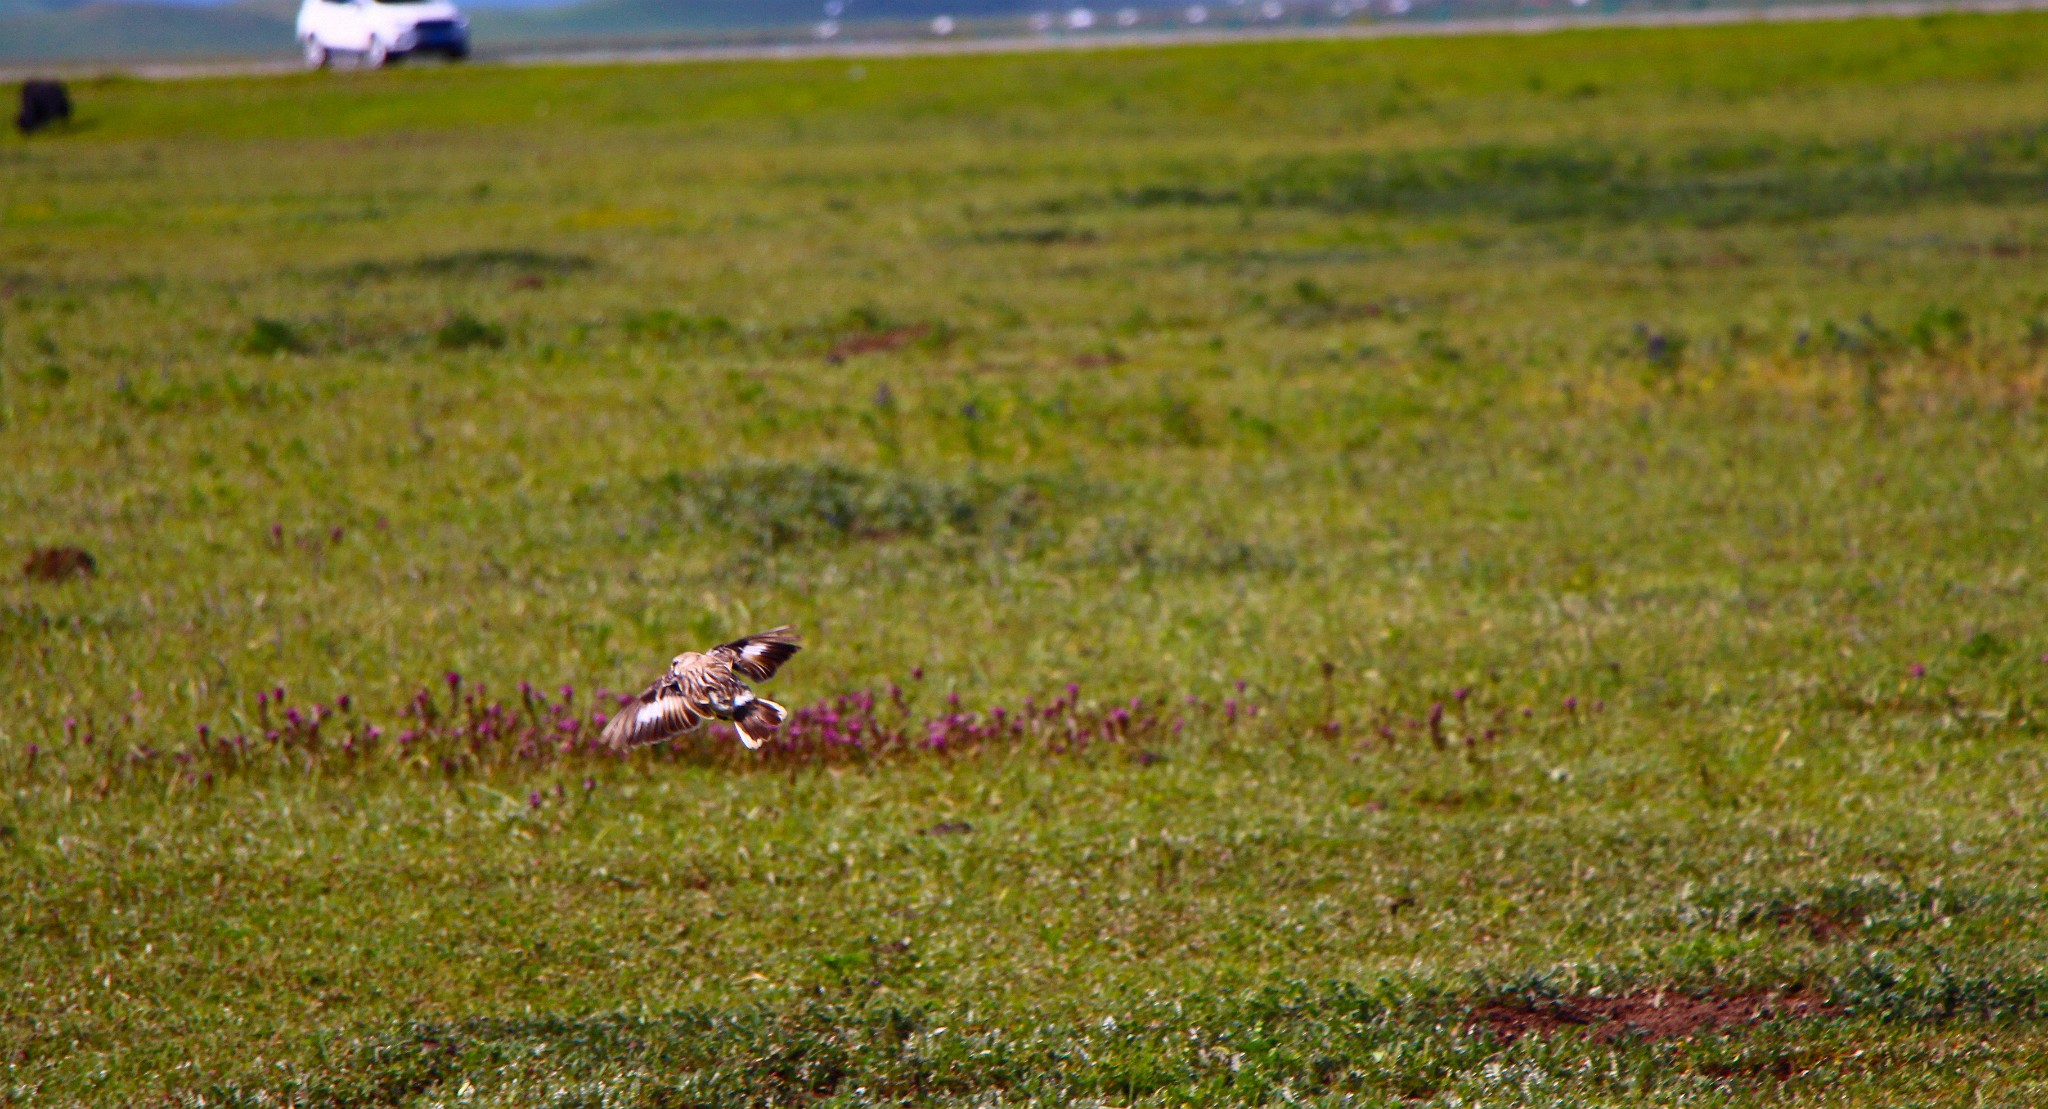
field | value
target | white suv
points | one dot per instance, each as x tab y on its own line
379	30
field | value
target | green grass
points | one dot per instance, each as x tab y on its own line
1610	462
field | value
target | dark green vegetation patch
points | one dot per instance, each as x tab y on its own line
777	504
1760	180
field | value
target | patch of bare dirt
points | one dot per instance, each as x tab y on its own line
58	564
876	342
1649	1014
1819	926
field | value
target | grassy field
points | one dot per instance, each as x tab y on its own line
1496	571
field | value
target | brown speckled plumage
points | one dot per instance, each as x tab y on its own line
710	685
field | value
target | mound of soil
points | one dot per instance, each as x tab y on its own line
1817	924
872	342
1650	1014
58	564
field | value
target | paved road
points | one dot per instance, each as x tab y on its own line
1112	40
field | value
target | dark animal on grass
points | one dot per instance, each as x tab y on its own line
58	564
705	686
42	104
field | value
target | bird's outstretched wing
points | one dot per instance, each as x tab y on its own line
758	656
660	713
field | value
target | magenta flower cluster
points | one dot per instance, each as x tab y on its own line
456	727
861	726
462	730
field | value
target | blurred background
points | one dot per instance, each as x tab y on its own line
84	32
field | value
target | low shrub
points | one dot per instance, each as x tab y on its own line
464	331
778	504
267	337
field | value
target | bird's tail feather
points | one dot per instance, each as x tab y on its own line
757	720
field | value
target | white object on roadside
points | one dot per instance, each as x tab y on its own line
375	31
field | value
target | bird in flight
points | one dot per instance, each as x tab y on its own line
709	685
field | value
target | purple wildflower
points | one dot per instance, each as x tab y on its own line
533	800
1919	670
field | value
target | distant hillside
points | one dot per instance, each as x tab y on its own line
9	8
32	32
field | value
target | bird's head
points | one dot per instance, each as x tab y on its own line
683	662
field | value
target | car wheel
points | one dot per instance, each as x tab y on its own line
377	54
458	53
316	54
